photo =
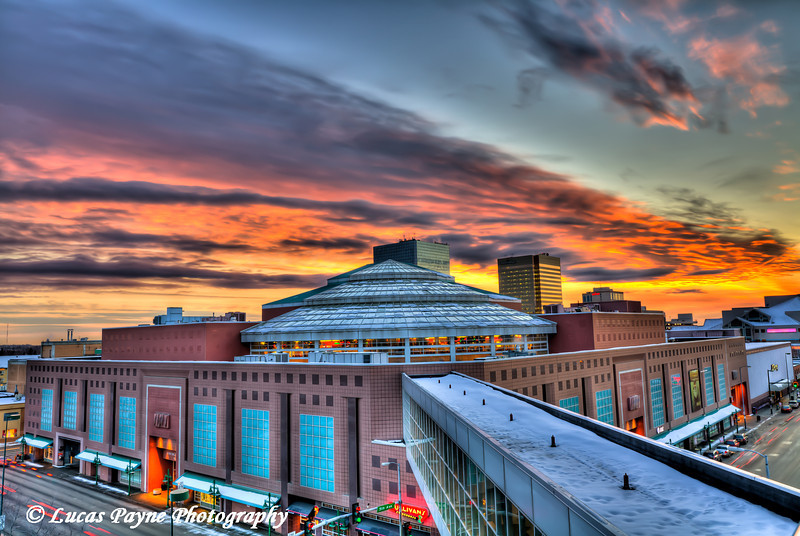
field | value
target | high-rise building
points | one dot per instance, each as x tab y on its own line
602	294
431	255
534	279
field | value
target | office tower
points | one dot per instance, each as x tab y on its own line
431	255
534	279
602	294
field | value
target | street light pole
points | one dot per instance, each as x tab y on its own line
7	417
740	449
399	499
769	390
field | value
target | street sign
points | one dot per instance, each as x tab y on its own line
384	507
10	417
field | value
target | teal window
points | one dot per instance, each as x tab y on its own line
127	422
46	421
721	381
677	396
605	406
205	435
255	442
709	384
70	409
96	417
570	403
657	402
316	452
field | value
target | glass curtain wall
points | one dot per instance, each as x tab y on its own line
469	502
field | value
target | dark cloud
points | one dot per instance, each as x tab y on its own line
346	244
570	39
710	272
605	274
687	291
140	192
132	271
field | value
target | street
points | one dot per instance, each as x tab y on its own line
775	437
38	493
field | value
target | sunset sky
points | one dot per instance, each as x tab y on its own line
217	155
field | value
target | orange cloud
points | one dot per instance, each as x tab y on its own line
745	62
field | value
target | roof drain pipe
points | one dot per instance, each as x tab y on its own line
626	483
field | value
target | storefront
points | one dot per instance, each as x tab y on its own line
37	447
209	492
701	430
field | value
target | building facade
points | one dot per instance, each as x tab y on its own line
431	255
195	341
593	330
534	279
250	425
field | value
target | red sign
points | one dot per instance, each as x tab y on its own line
414	512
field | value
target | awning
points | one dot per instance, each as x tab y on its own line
695	426
238	494
301	508
371	526
326	513
379	528
37	442
114	461
780	385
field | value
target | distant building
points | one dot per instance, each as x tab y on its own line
534	279
684	319
191	341
594	330
777	321
431	255
602	294
71	347
711	329
175	316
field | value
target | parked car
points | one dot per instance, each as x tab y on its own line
724	452
786	408
731	442
741	438
794	403
713	454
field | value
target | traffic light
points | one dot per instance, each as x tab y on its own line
355	514
794	385
407	528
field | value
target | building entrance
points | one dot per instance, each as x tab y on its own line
67	450
161	462
636	426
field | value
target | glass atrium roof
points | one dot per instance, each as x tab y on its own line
396	300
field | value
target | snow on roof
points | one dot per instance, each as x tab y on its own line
591	468
761	346
11	399
693	427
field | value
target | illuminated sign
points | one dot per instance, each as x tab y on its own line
414	512
781	330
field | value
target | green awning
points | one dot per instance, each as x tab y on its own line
237	494
36	442
114	461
